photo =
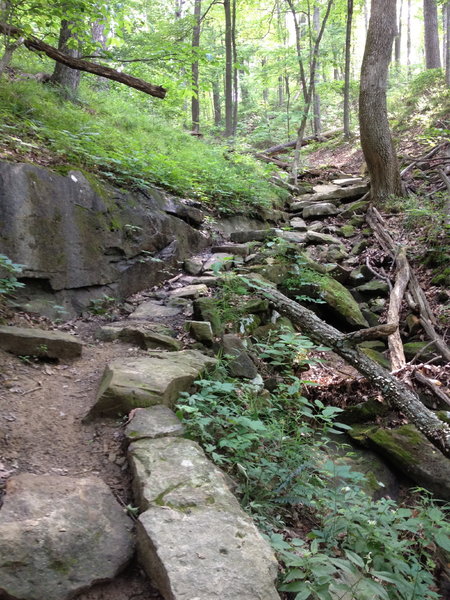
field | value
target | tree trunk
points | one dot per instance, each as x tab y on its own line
398	37
228	69
446	12
195	101
408	39
67	78
317	121
308	98
348	47
235	70
397	393
430	19
217	103
376	139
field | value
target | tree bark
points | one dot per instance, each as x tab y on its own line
317	121
348	46
376	140
398	394
430	19
66	77
195	101
408	38
35	44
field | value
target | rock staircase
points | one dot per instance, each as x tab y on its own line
192	537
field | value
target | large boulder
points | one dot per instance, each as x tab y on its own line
145	381
80	239
194	540
60	535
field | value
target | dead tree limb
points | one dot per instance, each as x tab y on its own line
397	393
273	161
378	225
396	352
433	387
372	333
426	156
280	148
34	44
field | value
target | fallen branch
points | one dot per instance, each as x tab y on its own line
372	333
378	225
397	393
396	353
432	386
274	161
280	148
426	156
34	44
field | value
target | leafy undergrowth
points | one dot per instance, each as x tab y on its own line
116	135
332	539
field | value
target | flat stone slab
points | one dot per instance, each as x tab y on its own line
254	235
295	237
320	209
190	291
314	237
146	337
153	422
235	249
221	261
152	310
60	535
194	540
146	381
200	331
39	342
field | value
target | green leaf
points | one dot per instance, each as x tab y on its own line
355	559
443	541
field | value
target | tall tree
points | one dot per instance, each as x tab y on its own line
446	14
317	121
430	19
228	69
195	101
67	78
376	139
398	37
348	47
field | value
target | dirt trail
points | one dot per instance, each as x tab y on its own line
41	431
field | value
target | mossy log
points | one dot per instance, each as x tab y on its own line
394	391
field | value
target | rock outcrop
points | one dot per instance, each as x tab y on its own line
79	239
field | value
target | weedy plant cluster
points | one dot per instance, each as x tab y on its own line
332	539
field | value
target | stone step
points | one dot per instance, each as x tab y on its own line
146	381
254	235
193	538
39	342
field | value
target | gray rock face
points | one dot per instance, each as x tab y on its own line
143	382
293	236
190	291
235	249
153	422
298	224
75	236
147	338
39	342
60	535
314	237
200	331
194	540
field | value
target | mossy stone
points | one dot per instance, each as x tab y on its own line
427	350
206	309
377	357
363	412
347	231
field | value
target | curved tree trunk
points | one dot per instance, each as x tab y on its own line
430	19
195	101
376	139
67	78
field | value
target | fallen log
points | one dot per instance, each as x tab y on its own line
274	161
280	148
34	44
399	395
